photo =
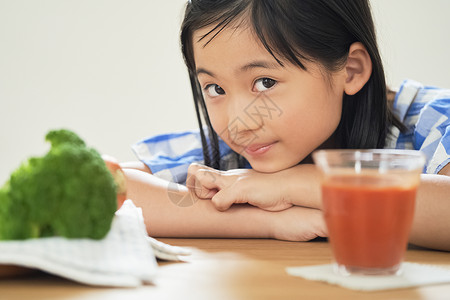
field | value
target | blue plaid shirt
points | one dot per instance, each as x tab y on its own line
424	110
169	155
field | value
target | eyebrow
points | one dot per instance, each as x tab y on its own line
204	71
251	65
259	64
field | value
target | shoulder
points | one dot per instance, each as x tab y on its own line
412	97
425	111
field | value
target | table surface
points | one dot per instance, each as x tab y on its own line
229	269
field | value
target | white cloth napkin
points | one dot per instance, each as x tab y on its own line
125	257
167	252
412	275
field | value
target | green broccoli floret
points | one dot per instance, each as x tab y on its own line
69	192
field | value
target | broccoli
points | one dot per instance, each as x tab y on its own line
68	192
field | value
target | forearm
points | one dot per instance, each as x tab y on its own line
165	216
431	225
167	213
302	186
137	165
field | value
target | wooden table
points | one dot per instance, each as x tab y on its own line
229	269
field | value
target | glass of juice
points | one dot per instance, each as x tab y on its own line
368	199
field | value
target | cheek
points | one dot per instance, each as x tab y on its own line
315	120
314	103
218	119
331	112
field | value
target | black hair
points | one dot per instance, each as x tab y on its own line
296	31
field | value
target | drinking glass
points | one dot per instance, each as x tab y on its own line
368	199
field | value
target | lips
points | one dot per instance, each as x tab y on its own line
258	149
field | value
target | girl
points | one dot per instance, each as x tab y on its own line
272	82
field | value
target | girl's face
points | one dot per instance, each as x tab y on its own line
273	115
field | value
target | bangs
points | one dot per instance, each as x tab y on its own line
272	27
269	23
219	14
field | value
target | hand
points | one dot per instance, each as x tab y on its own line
225	188
298	224
119	178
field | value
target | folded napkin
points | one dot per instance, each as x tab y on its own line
125	257
412	275
167	252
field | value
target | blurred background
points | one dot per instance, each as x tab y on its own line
112	70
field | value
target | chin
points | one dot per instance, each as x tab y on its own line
264	167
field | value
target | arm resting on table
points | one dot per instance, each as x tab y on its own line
164	218
431	226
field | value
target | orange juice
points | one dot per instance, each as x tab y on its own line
368	220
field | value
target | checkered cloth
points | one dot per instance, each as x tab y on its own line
424	110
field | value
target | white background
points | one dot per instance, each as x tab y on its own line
112	70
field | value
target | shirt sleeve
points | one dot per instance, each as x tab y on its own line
425	111
432	133
169	155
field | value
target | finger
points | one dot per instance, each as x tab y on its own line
228	196
191	174
195	187
211	179
225	198
220	202
202	181
194	167
207	182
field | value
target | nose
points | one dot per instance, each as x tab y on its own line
243	119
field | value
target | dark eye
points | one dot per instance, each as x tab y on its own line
264	84
213	90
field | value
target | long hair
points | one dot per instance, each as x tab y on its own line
296	31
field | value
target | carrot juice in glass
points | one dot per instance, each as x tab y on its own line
368	199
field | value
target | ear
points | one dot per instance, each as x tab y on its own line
358	68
